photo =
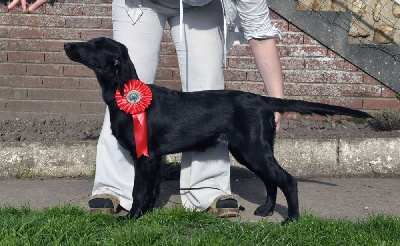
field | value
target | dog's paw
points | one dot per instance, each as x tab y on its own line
122	218
264	211
289	220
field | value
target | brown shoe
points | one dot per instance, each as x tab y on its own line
225	206
104	203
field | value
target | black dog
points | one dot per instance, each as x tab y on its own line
195	121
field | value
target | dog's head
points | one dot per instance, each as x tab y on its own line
108	59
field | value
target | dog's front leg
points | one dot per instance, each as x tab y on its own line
146	186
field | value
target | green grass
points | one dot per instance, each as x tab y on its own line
71	225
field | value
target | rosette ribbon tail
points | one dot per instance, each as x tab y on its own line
140	133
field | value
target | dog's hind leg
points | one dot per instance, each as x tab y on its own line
269	207
265	166
146	186
272	172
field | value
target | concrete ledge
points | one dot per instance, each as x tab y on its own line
300	157
55	159
340	157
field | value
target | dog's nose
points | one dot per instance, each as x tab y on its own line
67	46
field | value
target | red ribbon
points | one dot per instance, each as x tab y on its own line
140	133
137	97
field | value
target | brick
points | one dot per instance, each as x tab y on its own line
293	28
11	115
164	73
283	50
3	104
26	33
168	61
349	67
97	10
41	69
303	76
65	9
87	1
253	76
241	63
309	40
282	25
233	75
381	104
93	33
343	77
22	81
4	32
167	36
257	88
77	71
240	50
43	106
57	58
32	45
89	83
62	33
107	23
167	49
64	95
355	103
174	85
92	107
35	20
297	116
367	79
12	68
324	64
387	92
83	22
332	54
60	82
13	93
291	38
307	51
289	63
360	91
26	57
3	56
332	90
176	75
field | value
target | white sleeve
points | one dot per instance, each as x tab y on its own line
255	20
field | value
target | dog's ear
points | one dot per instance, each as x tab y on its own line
118	75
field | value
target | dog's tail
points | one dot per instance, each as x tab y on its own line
304	107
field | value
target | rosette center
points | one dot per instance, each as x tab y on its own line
133	97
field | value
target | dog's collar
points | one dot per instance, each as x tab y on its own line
137	97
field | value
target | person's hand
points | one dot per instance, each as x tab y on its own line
25	8
278	119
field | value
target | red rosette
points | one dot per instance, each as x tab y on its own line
137	97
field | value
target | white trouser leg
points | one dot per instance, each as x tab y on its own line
200	56
114	167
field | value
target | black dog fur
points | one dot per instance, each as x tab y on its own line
195	121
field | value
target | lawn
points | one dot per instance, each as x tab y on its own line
71	225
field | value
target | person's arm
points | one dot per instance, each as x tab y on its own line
268	63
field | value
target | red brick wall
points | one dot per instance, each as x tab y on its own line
37	80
